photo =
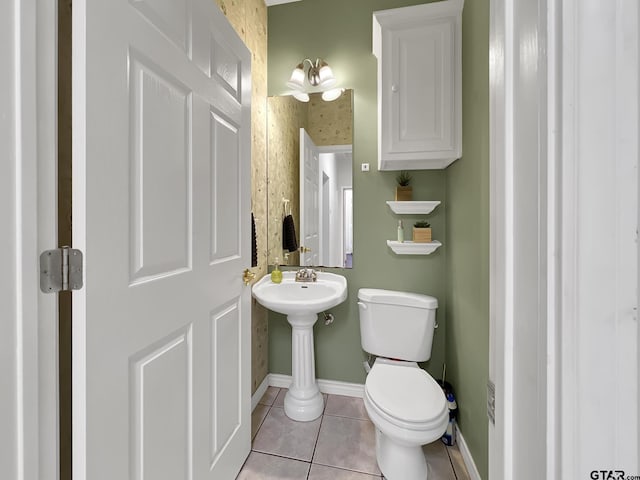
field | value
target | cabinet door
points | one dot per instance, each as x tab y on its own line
419	87
421	90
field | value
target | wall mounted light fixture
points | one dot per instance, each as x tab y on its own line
319	74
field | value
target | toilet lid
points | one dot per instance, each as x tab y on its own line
406	393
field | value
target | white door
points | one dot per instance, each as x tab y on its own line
309	197
161	125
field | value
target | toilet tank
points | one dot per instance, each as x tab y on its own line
397	324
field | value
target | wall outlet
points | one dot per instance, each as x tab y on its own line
365	167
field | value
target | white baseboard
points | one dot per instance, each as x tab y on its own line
255	398
332	387
466	456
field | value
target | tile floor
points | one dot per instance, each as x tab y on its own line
340	445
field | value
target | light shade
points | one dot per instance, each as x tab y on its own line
331	95
301	96
296	81
325	75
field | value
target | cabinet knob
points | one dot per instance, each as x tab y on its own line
394	88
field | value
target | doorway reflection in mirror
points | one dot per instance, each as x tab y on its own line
324	215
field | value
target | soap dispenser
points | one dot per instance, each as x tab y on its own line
276	273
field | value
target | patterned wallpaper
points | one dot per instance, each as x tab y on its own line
249	19
286	117
331	123
328	123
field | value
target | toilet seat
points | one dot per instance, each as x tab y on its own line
406	396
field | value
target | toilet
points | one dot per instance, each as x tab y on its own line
406	405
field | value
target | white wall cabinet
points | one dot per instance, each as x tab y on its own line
419	55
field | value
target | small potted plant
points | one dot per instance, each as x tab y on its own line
404	192
421	232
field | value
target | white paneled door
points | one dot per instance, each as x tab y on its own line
161	330
309	199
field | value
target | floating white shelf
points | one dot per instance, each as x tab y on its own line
412	248
418	207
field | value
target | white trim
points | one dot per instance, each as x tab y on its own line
500	249
28	401
260	391
347	148
332	387
46	123
600	46
474	474
553	260
271	3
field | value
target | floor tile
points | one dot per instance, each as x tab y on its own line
347	443
260	466
279	400
459	468
438	459
280	435
269	396
341	406
257	416
322	472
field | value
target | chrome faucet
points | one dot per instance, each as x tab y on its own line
306	275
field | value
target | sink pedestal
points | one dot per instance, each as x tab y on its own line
303	402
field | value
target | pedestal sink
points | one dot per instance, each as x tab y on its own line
301	302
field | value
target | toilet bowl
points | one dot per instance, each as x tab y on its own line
405	404
408	409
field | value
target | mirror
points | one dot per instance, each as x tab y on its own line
312	141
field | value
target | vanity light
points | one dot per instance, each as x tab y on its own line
331	95
319	74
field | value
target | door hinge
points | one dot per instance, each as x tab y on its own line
491	402
60	270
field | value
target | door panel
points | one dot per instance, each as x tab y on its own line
225	234
160	172
161	408
310	197
161	210
226	377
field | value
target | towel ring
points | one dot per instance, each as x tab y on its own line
286	207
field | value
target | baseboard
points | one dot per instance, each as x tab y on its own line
332	387
262	388
466	456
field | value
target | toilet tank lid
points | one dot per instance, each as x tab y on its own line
392	297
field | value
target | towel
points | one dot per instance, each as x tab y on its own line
254	243
289	241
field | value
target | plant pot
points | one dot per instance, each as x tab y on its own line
404	194
421	235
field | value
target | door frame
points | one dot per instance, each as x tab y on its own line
29	415
566	283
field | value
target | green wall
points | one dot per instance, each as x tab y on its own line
467	342
457	273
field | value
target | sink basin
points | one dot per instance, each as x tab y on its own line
301	302
299	298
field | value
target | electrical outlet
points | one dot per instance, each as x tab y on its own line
365	167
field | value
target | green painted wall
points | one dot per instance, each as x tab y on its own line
340	32
457	273
467	342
